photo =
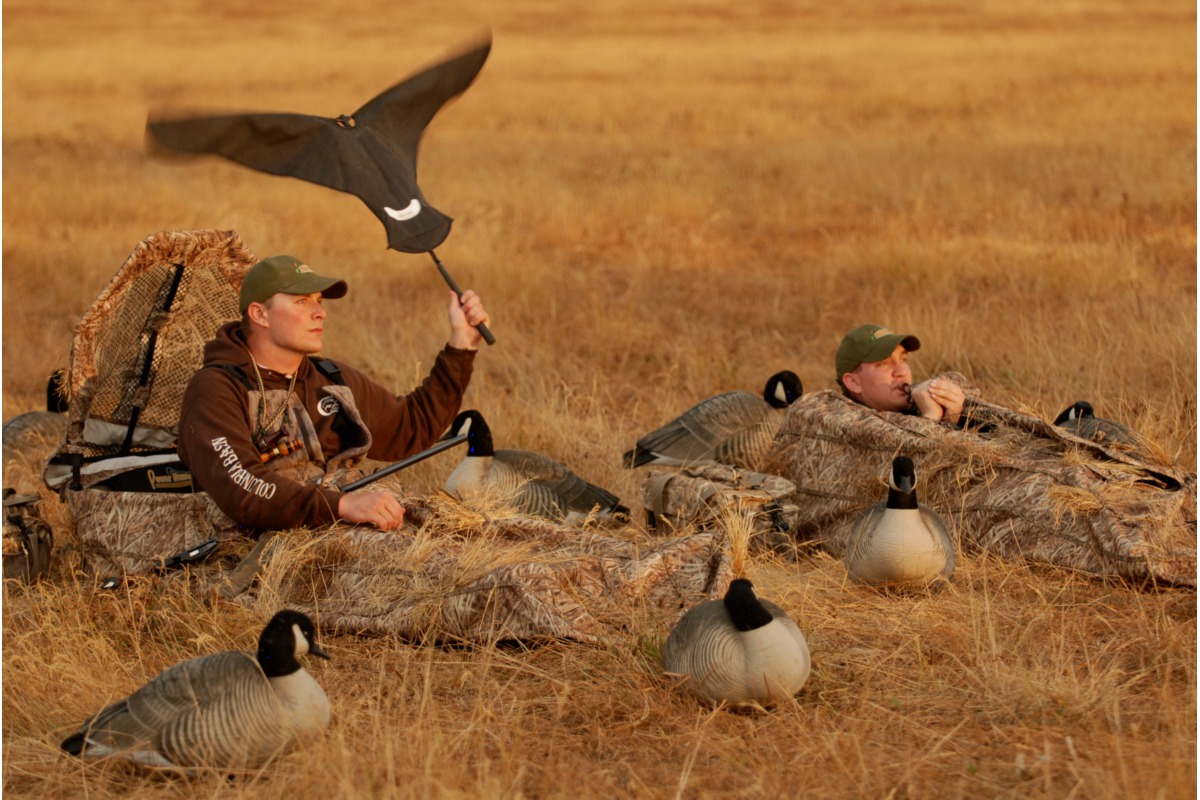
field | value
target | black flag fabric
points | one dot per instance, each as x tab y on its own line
371	154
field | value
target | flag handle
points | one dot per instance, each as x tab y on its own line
481	327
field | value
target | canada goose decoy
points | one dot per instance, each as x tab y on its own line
533	483
1081	420
32	437
34	434
741	650
228	709
899	541
732	428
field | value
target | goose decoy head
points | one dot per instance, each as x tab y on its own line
287	636
479	436
746	612
1081	409
783	389
904	474
902	488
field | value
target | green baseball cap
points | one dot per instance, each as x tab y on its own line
286	274
868	343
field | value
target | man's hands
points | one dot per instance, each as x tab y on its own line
380	509
465	314
938	398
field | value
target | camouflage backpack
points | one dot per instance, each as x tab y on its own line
28	540
702	496
133	354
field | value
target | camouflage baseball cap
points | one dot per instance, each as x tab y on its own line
868	343
286	274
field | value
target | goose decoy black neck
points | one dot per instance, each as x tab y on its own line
746	611
288	635
783	389
902	491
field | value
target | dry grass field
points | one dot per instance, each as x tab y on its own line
659	202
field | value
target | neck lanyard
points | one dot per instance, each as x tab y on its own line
260	430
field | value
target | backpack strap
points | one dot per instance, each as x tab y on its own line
235	371
329	369
145	376
347	432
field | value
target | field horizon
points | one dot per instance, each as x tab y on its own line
658	204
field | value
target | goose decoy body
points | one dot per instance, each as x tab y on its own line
1081	420
899	541
224	710
30	439
732	428
34	434
533	483
741	650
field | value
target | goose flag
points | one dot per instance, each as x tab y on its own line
371	154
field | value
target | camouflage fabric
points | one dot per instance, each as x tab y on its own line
455	575
704	496
1010	484
28	540
152	319
134	351
29	440
31	511
130	533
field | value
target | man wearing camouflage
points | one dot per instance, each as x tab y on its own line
872	369
265	427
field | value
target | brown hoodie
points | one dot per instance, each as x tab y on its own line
220	412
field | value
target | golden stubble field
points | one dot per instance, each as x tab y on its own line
659	203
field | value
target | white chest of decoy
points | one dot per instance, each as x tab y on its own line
901	548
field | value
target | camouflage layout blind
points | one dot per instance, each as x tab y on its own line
142	340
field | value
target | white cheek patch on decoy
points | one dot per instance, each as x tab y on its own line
301	640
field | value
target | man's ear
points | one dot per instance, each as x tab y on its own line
257	313
852	383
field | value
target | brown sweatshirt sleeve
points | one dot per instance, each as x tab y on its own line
216	445
404	425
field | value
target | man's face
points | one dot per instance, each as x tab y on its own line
295	322
882	385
